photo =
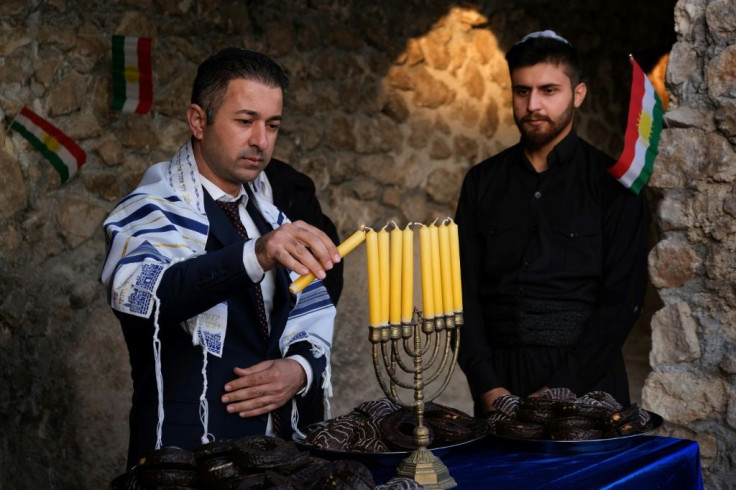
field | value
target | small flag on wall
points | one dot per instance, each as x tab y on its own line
63	153
132	81
641	141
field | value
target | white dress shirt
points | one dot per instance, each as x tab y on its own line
262	187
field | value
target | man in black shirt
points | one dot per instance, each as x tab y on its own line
553	248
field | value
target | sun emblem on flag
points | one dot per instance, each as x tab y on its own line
645	125
131	74
51	142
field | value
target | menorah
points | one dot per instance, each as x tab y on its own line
415	340
407	342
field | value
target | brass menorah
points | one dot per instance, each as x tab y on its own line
405	341
421	348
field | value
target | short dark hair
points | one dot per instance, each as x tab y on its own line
215	73
543	49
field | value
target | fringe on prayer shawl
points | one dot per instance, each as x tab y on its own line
163	222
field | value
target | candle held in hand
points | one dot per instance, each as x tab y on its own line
343	249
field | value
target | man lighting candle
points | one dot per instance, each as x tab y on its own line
343	249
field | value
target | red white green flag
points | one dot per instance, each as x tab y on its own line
63	153
641	141
132	81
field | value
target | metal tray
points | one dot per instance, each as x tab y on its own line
390	458
551	446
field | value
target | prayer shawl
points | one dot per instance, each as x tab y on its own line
164	222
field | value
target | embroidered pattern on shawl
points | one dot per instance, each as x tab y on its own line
163	222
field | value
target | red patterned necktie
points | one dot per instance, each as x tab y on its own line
233	214
231	210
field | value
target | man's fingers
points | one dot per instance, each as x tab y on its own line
297	246
264	389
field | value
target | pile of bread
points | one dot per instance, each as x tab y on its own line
558	414
380	426
253	462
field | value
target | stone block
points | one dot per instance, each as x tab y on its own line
78	219
683	397
13	192
672	263
674	336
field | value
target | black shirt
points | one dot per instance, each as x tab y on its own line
571	235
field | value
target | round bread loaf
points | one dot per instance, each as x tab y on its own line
449	425
214	449
168	457
264	452
573	428
343	474
536	409
397	429
520	429
168	477
336	434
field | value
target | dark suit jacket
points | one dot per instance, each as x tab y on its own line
189	288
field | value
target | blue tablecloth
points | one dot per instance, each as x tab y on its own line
646	462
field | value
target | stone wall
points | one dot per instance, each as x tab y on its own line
693	383
390	104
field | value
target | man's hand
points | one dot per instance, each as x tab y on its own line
263	387
487	398
539	392
298	246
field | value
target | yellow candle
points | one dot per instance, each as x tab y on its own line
436	274
394	313
383	272
343	249
457	285
348	245
374	286
407	276
445	269
425	253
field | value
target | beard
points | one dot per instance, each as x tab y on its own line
536	137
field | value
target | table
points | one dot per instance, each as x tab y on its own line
647	462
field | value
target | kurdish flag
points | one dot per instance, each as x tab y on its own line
635	165
63	153
132	81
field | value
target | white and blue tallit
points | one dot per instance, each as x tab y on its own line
164	222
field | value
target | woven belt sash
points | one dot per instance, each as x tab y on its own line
536	322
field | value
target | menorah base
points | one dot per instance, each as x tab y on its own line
426	469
